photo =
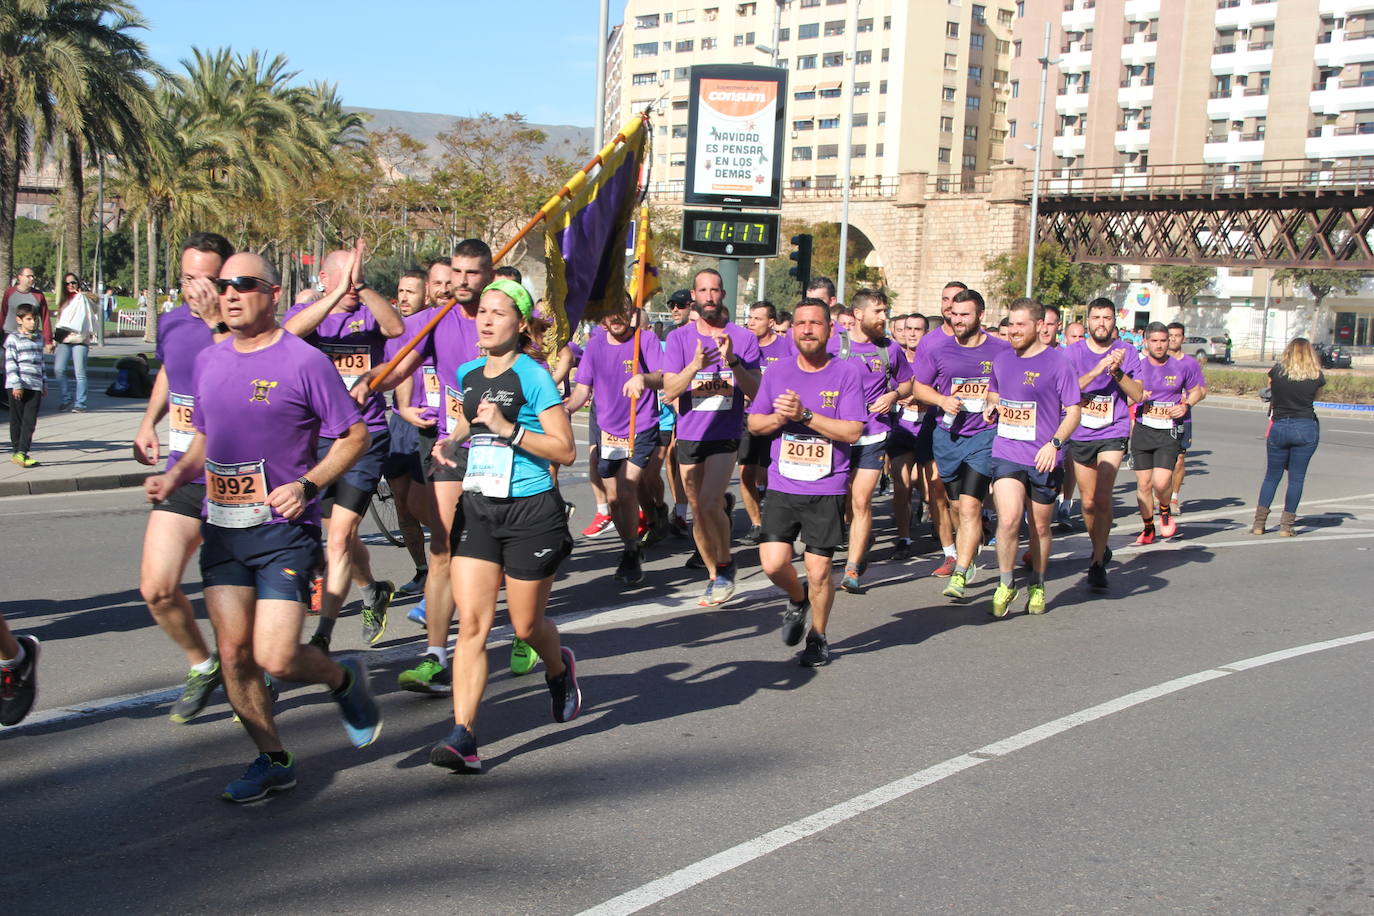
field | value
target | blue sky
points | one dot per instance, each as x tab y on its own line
537	57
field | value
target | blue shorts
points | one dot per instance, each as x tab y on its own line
954	452
868	457
1185	436
355	489
404	458
646	443
904	442
1041	487
277	560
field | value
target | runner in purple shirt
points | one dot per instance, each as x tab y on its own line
609	372
910	451
1171	387
1196	380
887	378
263	397
1033	396
953	378
710	367
811	408
173	531
753	453
352	332
1107	371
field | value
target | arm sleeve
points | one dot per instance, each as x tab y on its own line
923	368
540	391
749	352
674	360
328	399
585	373
902	367
763	399
852	405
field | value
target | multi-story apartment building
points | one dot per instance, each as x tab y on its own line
929	79
613	114
1225	84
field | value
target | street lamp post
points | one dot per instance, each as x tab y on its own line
599	116
852	25
1045	62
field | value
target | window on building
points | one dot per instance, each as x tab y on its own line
1004	17
679	131
975	41
947	93
686	16
970	132
973	102
999	107
647	49
646	22
807	4
951	61
975	74
1016	48
883	58
663	130
834	59
1021	8
863	57
828	151
951	30
887	23
681	73
711	13
784	34
882	118
878	151
807	124
999	77
829	123
980	14
858	151
860	119
708	44
801	153
804	95
678	162
828	93
683	47
833	28
663	76
946	124
1016	89
865	25
1003	46
746	9
806	62
644	79
882	87
970	162
943	154
1011	128
861	88
679	104
998	135
809	30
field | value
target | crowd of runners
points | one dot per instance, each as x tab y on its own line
280	431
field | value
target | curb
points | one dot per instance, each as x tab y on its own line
1331	411
72	484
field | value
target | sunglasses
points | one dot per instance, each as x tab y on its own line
243	284
72	283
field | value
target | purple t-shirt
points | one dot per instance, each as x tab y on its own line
1034	391
425	392
453	343
964	371
769	354
878	380
1195	379
803	461
1165	386
1106	412
605	368
355	345
712	407
914	417
181	335
261	414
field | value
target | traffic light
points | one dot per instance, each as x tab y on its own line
801	253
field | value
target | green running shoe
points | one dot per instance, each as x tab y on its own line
955	588
1035	599
374	616
427	677
523	658
196	696
1002	599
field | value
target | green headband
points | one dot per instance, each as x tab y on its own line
517	293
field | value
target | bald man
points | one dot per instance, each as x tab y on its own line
352	330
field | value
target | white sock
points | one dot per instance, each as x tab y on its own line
603	508
949	551
439	652
17	660
1175	497
206	666
680	510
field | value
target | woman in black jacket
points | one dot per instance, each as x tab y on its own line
1295	383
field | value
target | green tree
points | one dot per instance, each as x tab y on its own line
1184	281
1058	279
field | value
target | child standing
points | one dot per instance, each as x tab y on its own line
24	379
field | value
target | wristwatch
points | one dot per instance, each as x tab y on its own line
806	416
311	488
733	362
1057	443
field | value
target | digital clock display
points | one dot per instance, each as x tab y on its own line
730	234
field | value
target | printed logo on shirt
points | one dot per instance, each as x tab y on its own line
261	388
1171	380
828	399
985	366
1030	378
356	327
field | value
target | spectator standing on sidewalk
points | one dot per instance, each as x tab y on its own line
21	292
24	381
77	324
1295	382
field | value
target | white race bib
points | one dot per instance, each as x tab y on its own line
1016	420
1156	415
181	430
713	390
614	448
453	407
352	360
236	494
1098	410
490	463
431	377
913	414
872	438
973	392
805	457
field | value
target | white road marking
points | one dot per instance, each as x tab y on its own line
699	872
1353	432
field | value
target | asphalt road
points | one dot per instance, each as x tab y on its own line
1153	750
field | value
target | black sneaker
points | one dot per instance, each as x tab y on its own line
374	612
754	535
457	752
320	641
630	571
794	621
564	694
695	561
902	548
19	684
817	651
196	695
1097	576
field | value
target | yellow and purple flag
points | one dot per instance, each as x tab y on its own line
585	232
644	260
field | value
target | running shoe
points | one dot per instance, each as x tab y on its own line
374	617
1175	508
262	778
970	573
1002	599
196	695
598	526
1062	518
523	658
27	460
417	614
1146	536
643	526
631	570
362	719
958	582
707	598
430	676
752	537
794	621
569	510
817	651
723	586
850	582
1097	576
316	595
1035	599
695	561
1167	526
320	641
17	458
457	752
902	548
564	694
945	569
415	586
678	527
659	530
19	684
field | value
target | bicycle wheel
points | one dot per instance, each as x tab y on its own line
383	512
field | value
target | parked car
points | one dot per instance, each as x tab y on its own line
1208	349
1333	356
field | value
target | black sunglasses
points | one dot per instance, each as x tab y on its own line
243	284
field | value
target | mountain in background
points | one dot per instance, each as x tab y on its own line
563	140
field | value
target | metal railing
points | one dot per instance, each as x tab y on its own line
1272	176
962	183
872	188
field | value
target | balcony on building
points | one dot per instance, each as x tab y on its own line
1337	47
1237	102
1331	141
1132	136
1234	146
1242	14
1334	95
1078	15
1071	101
1141	48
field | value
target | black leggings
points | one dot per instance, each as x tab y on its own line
23	419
